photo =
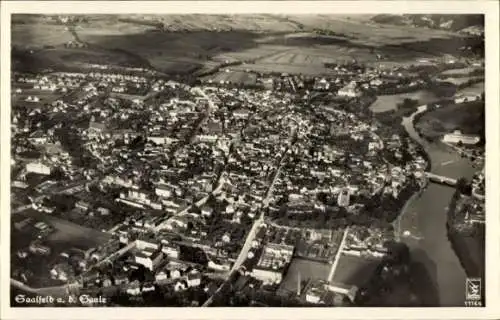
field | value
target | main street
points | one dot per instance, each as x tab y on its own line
337	255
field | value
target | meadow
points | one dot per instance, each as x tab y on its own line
459	81
390	102
45	96
475	89
461	71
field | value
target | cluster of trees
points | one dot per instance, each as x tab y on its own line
408	103
162	296
464	186
468	241
443	89
253	296
398	280
72	143
391	89
377	211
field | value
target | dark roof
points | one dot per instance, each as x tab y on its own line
192	276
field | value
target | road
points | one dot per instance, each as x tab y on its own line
270	191
337	255
206	115
241	258
113	256
273	224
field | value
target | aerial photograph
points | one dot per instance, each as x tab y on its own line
247	160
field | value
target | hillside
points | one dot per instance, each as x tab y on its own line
470	24
185	43
351	25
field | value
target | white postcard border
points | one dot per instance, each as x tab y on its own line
489	8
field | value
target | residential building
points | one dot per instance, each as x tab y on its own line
96	128
194	279
164	191
350	90
241	114
149	258
38	137
272	262
161	139
171	251
37	248
142	244
38	167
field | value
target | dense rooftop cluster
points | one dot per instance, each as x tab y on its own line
181	186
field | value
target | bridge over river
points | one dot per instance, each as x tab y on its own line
441	179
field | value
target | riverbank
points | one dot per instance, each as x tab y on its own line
466	244
404	210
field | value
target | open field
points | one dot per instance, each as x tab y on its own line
256	22
467	117
363	29
354	270
462	71
318	50
389	102
283	68
309	270
475	89
40	35
299	57
58	58
235	77
68	233
249	54
45	96
458	81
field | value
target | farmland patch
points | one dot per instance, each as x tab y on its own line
390	102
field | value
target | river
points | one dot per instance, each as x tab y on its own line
425	217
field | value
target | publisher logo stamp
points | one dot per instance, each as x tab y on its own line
473	292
